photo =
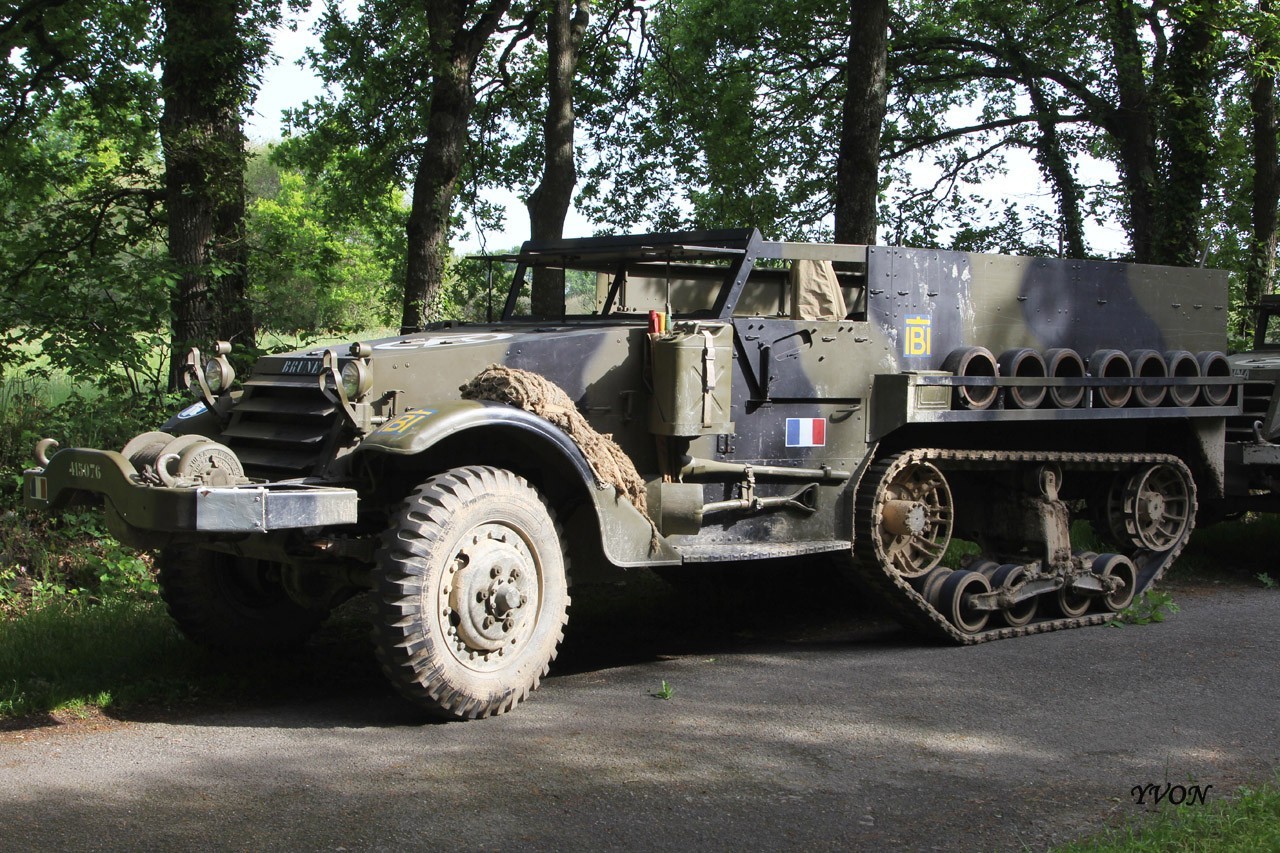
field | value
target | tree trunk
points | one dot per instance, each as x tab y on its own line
1266	169
1186	132
1057	169
1132	125
866	94
454	49
203	140
548	204
233	314
434	187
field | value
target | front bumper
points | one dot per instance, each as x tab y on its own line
77	475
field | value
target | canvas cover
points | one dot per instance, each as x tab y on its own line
815	292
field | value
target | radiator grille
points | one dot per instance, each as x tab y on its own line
281	428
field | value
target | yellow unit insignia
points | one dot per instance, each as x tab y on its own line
917	336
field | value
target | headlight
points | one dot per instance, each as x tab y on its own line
355	380
213	375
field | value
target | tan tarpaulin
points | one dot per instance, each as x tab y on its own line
815	292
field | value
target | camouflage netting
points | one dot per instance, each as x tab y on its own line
544	398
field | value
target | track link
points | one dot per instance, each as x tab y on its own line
913	610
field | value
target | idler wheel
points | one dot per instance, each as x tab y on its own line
1112	364
1214	365
1117	566
1063	363
952	596
1182	365
1151	509
1009	577
911	518
1023	363
972	361
1149	364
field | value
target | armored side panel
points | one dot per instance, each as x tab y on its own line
928	303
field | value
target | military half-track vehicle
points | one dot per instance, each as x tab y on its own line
777	399
1252	452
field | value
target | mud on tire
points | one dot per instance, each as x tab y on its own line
233	604
471	593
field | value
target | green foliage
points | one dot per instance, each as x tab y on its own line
314	272
665	691
83	276
1152	606
45	558
734	121
1267	581
1232	550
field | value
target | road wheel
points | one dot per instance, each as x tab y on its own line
471	593
232	603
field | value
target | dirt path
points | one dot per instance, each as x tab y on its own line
843	735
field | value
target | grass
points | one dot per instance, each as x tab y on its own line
66	654
69	655
1249	821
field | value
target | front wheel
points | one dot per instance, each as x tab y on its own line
471	593
235	604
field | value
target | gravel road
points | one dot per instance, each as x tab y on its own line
845	734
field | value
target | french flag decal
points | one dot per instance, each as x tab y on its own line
806	432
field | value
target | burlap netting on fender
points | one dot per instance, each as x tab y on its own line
544	398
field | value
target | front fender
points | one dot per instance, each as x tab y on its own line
626	536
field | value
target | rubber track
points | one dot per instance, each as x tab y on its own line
912	609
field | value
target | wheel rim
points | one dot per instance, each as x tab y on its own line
1072	604
913	519
1151	509
491	596
1119	566
1008	577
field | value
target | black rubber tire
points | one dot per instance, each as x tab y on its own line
1109	565
1149	364
951	596
1023	363
1062	363
234	604
972	361
1111	364
464	548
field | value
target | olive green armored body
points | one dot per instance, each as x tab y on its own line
1252	455
773	398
